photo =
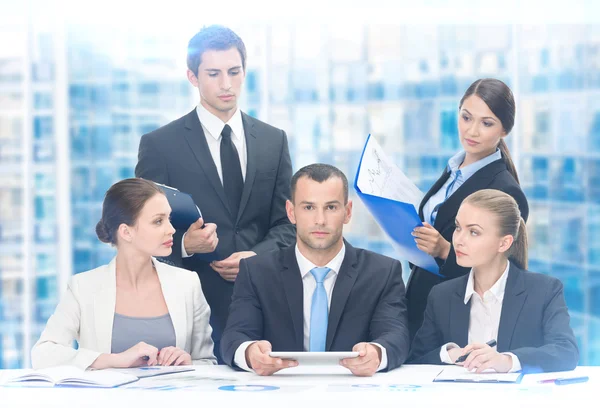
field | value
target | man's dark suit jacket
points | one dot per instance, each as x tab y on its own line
534	323
177	155
493	176
367	305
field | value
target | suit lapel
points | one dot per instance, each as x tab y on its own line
175	304
480	180
343	285
460	315
104	309
434	189
514	299
251	154
294	293
197	141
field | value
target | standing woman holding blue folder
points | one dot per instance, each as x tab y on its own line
500	316
486	117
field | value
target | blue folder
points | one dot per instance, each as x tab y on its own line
398	220
184	212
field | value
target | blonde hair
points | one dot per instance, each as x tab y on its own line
510	222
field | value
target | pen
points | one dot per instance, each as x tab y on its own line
146	358
462	358
565	381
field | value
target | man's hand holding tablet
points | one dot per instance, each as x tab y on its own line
367	362
363	360
258	359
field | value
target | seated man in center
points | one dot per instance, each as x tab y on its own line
321	294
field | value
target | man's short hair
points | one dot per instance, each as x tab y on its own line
320	172
214	37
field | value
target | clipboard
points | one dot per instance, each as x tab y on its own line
184	212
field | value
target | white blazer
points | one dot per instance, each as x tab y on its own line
87	310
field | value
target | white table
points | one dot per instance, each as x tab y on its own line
408	386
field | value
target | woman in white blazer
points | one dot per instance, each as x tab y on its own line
136	310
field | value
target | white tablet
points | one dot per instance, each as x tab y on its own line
314	357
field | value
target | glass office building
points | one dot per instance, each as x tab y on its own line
74	102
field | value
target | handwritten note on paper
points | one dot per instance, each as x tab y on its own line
393	200
379	176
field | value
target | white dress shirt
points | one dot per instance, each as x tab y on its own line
309	285
484	317
212	127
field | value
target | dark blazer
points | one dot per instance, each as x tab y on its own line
367	305
493	176
177	155
534	323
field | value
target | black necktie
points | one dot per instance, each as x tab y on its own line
233	183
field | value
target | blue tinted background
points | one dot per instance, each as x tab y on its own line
75	100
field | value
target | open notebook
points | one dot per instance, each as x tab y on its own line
67	376
460	374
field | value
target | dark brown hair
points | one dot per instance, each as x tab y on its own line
499	98
122	204
506	210
214	37
320	172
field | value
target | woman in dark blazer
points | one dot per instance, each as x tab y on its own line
486	117
499	300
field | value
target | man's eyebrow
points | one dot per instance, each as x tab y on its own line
218	70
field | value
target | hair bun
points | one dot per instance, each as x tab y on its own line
102	232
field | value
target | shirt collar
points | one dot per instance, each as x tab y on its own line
497	290
305	265
215	126
467	171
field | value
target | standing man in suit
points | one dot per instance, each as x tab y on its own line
236	168
321	294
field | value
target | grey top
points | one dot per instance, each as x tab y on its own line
128	331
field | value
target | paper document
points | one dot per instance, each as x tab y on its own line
68	376
379	176
393	200
152	371
460	374
188	381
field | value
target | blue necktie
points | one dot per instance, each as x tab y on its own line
448	189
319	312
